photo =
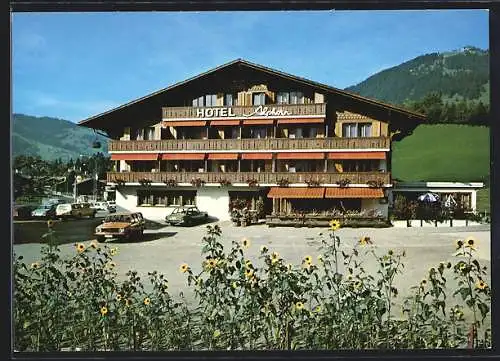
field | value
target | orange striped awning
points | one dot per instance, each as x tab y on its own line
356	155
134	156
299	192
256	156
223	156
301	121
183	156
352	192
225	122
305	155
258	122
191	123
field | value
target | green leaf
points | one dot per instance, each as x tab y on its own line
484	309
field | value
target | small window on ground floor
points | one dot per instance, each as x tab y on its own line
165	198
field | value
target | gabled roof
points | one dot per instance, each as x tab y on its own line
241	62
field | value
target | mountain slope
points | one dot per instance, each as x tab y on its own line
461	74
52	138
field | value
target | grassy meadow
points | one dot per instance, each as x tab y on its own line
445	152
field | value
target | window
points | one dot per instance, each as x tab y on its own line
350	130
199	102
259	98
139	134
296	98
165	198
210	100
313	132
258	132
365	129
283	98
228	100
149	133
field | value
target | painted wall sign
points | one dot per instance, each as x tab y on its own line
260	111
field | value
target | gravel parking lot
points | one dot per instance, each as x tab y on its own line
165	248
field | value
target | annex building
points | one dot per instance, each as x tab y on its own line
243	131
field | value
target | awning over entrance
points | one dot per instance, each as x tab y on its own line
304	155
351	192
225	122
301	121
258	122
183	156
356	155
186	123
223	156
256	156
134	156
299	192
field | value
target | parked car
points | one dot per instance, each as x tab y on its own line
121	225
44	211
22	211
186	215
100	206
75	210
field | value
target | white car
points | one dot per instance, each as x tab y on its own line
102	206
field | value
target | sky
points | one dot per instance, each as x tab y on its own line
76	65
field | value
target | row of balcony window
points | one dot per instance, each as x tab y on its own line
349	130
298	166
231	99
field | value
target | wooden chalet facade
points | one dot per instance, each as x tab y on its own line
244	131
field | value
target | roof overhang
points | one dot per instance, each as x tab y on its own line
148	108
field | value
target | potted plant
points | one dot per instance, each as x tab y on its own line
312	183
343	183
375	183
171	182
145	182
197	182
252	182
224	182
283	182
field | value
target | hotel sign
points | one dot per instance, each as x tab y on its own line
260	111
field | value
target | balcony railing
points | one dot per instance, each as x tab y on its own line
249	144
244	111
243	177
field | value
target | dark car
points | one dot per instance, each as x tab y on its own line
47	211
186	215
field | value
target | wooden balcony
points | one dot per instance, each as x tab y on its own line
249	144
244	111
243	177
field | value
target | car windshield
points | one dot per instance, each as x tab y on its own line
118	218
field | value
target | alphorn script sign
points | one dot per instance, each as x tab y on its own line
260	111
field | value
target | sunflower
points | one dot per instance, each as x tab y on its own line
299	306
307	260
357	284
365	240
216	333
423	282
113	251
50	223
184	267
334	224
35	265
480	284
119	297
470	243
289	267
459	243
80	247
104	310
164	287
275	256
317	309
249	272
234	285
147	301
320	258
462	266
211	263
94	244
448	265
263	249
111	265
128	302
248	264
246	243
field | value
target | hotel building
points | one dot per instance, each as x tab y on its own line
245	131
